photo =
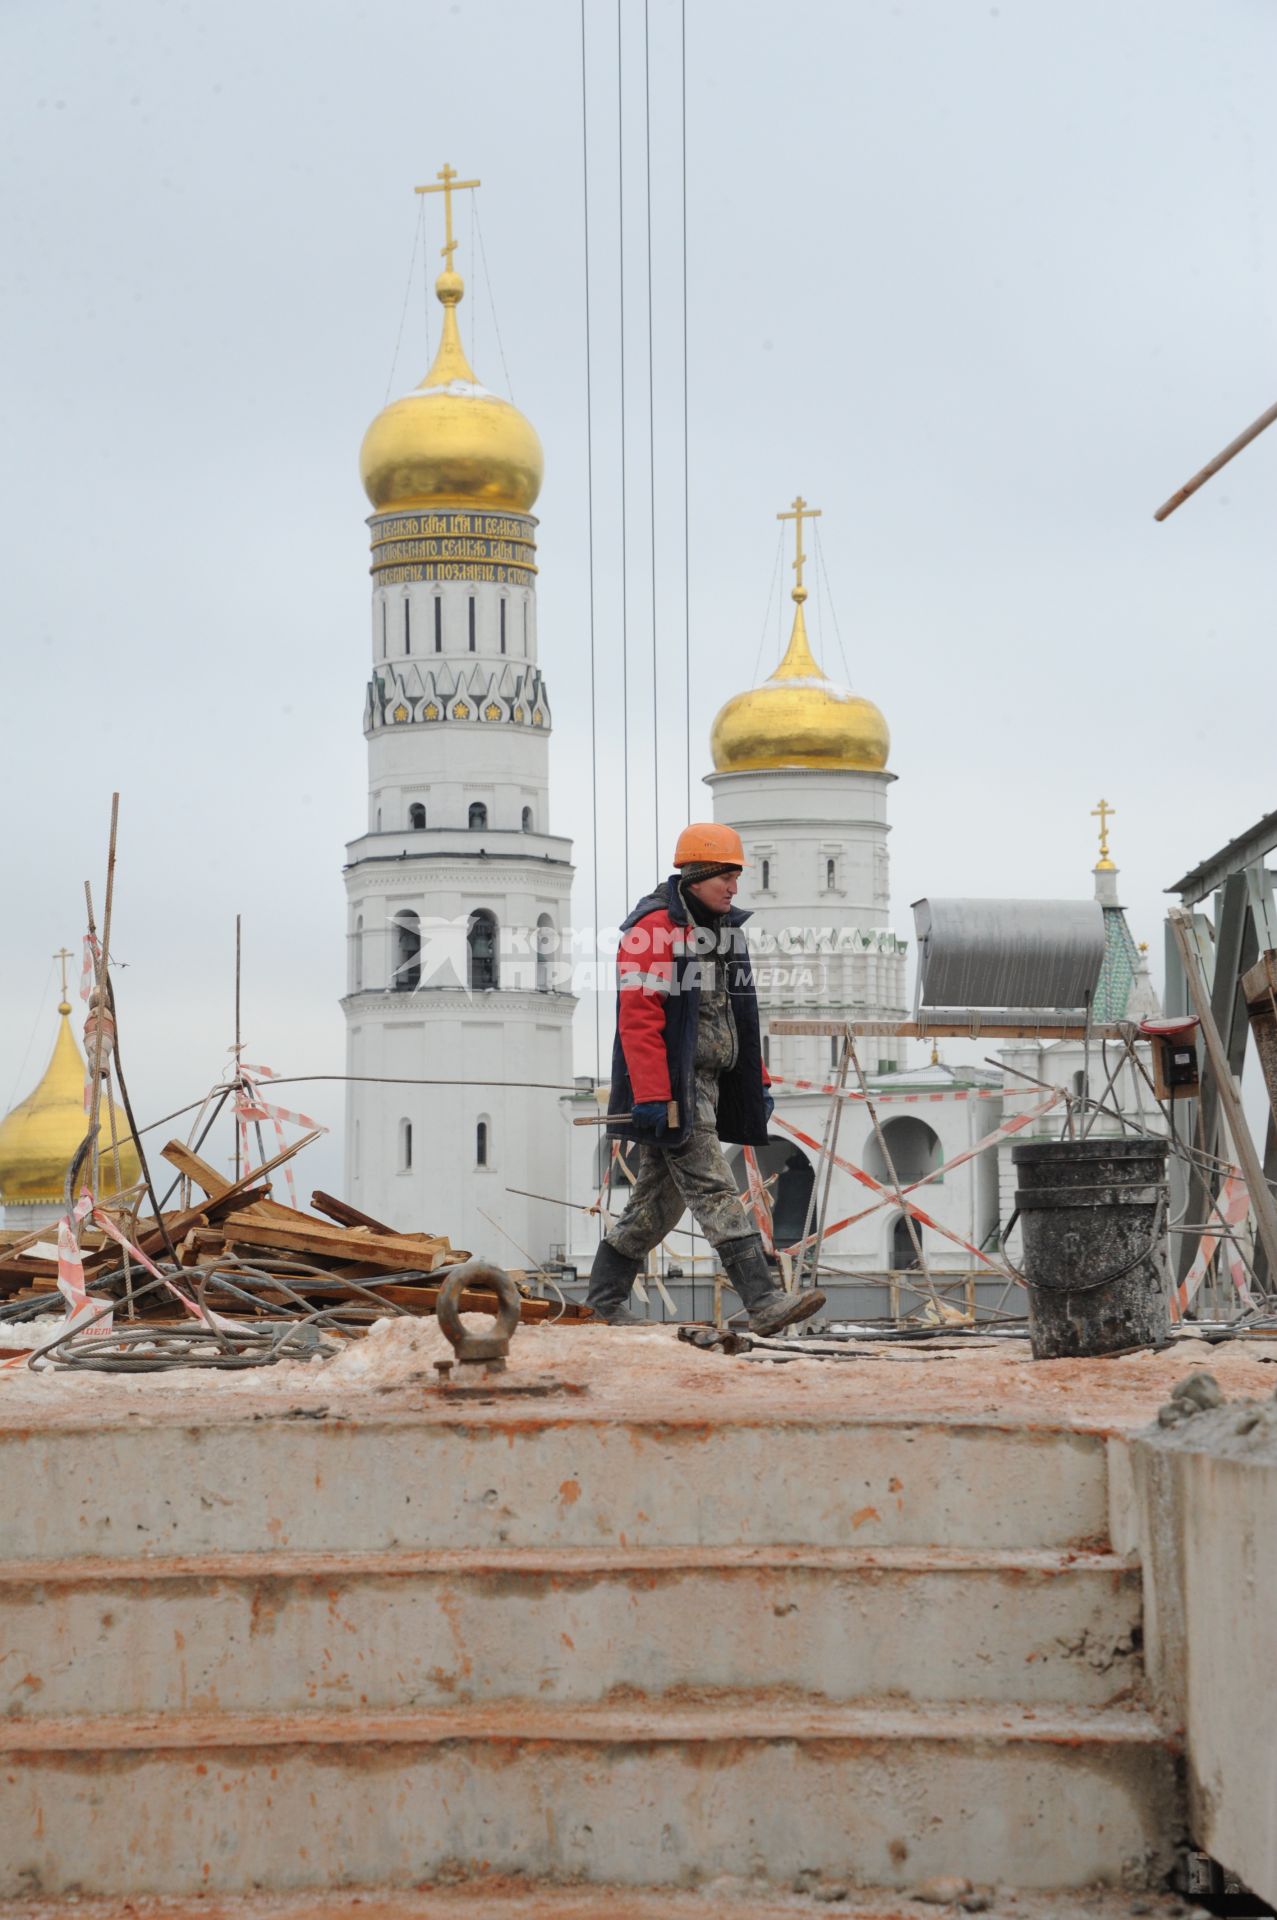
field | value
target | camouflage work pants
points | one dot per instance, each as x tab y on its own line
695	1176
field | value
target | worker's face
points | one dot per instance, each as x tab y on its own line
717	894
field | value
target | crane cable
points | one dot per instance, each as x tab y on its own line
589	492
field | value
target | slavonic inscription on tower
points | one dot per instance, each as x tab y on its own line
433	545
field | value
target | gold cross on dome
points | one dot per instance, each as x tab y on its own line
448	184
64	954
1103	813
799	511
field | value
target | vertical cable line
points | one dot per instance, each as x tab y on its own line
651	440
407	296
589	496
625	627
687	551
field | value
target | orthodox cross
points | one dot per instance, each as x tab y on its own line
448	184
1103	813
799	512
64	954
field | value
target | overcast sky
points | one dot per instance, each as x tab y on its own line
984	282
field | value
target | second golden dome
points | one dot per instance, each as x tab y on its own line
799	718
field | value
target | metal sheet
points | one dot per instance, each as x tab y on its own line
1008	953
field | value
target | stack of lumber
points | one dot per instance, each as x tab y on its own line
333	1261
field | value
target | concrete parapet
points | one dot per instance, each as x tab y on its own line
1207	1502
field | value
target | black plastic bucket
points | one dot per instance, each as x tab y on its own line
1093	1217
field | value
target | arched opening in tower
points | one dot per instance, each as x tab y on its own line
789	1177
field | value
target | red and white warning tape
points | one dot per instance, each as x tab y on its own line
887	1195
1229	1212
250	1106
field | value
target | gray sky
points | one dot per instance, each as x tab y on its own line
985	283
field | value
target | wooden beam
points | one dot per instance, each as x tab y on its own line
1230	1100
398	1252
979	1026
342	1211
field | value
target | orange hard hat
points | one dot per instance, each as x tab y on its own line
708	840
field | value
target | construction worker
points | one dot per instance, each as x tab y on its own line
687	1070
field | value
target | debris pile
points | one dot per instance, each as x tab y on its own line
234	1251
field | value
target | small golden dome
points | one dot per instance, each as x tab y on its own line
799	718
39	1138
451	443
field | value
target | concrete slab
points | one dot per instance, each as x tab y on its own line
501	1900
1044	1799
566	1625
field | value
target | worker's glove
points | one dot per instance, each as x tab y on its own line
769	1105
648	1117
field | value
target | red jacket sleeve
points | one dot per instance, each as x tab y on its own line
645	979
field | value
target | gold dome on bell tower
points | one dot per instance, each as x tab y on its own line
451	443
799	717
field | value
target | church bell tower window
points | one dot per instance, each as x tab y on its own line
481	939
472	623
478	816
407	625
407	971
503	607
438	623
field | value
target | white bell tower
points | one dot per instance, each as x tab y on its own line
459	1027
801	773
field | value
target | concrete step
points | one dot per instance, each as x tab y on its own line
671	1796
284	1632
537	1474
725	1900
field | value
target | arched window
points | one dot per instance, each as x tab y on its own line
527	819
789	1177
472	623
478	816
406	974
416	814
547	946
914	1148
481	940
379	819
407	625
765	878
835	1048
438	623
831	874
357	957
383	629
503	607
904	1259
481	1143
405	1146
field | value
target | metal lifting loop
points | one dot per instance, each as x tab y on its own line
490	1348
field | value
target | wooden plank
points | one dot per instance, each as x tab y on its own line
345	1214
396	1252
980	1027
191	1167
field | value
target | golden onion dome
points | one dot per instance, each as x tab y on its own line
39	1138
799	718
451	443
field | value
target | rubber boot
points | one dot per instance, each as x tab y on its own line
608	1293
769	1307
